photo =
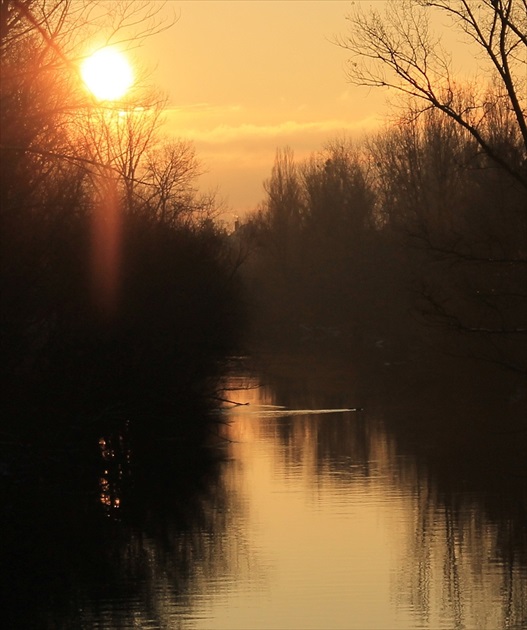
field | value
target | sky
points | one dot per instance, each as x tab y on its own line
245	77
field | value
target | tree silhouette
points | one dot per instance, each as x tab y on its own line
399	50
115	288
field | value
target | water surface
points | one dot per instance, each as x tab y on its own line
331	528
313	517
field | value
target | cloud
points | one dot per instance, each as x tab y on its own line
281	132
228	133
238	155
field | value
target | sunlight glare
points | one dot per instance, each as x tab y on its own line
107	74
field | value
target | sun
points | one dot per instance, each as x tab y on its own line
107	74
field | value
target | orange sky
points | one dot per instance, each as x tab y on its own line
244	77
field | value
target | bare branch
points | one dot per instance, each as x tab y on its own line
398	51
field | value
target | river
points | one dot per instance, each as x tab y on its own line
314	516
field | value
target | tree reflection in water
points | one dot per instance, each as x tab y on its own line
467	545
66	566
179	528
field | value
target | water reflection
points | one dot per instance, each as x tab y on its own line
364	512
63	566
296	519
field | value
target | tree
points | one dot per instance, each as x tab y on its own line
281	212
398	50
461	229
338	196
315	230
453	176
94	265
167	185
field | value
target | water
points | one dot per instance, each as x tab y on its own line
331	528
315	518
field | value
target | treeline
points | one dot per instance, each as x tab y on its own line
119	289
415	237
426	222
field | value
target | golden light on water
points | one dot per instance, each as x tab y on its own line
108	74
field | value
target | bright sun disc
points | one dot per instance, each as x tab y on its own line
107	74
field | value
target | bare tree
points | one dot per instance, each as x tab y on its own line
41	46
338	198
62	155
281	212
462	230
399	50
167	185
114	139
